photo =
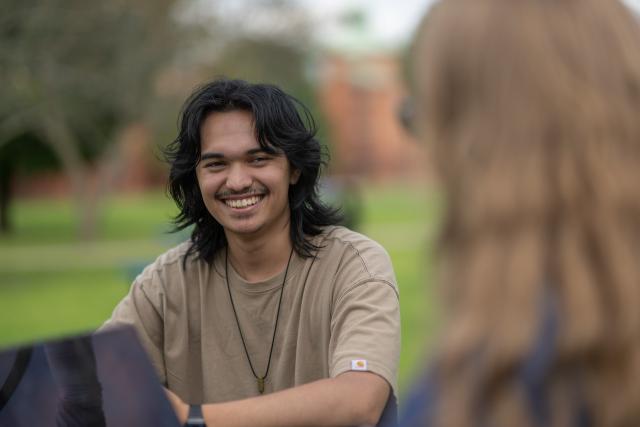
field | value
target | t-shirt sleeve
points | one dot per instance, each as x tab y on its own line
365	331
142	309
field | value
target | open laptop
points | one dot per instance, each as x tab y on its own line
102	379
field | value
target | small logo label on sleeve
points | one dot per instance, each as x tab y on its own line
359	365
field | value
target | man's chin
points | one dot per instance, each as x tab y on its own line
245	230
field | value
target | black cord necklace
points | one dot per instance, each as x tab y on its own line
259	380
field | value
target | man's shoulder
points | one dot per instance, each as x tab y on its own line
337	235
356	251
170	262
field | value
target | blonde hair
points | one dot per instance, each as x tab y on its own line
532	110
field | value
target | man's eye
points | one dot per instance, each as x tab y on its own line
214	165
259	160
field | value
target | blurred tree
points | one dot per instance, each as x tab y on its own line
266	41
77	73
271	61
264	60
74	75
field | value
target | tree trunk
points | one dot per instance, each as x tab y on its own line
109	168
64	143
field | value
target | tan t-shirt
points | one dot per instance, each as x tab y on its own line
339	312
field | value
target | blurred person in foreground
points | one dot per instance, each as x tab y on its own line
532	111
270	315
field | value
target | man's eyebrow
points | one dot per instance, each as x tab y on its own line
216	155
206	156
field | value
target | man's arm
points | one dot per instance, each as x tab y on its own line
141	309
350	399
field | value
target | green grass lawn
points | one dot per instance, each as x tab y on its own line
51	284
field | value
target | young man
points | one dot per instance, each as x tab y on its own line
270	315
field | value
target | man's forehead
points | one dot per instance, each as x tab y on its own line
232	133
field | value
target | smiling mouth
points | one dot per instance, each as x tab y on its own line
242	203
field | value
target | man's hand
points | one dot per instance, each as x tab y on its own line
181	408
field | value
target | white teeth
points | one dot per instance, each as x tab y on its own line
242	203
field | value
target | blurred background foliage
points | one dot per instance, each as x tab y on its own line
91	93
77	74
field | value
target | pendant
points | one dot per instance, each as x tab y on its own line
260	385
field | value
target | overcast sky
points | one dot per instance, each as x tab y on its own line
635	4
391	21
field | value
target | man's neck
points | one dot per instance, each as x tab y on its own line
256	260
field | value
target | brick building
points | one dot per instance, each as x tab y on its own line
361	90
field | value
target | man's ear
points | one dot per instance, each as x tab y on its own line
295	176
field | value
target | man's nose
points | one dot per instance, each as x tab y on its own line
238	178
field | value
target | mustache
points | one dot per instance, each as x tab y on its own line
247	192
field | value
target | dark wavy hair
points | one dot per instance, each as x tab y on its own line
279	127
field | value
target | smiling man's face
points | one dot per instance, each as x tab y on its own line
244	188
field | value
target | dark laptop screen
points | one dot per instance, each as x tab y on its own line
103	379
